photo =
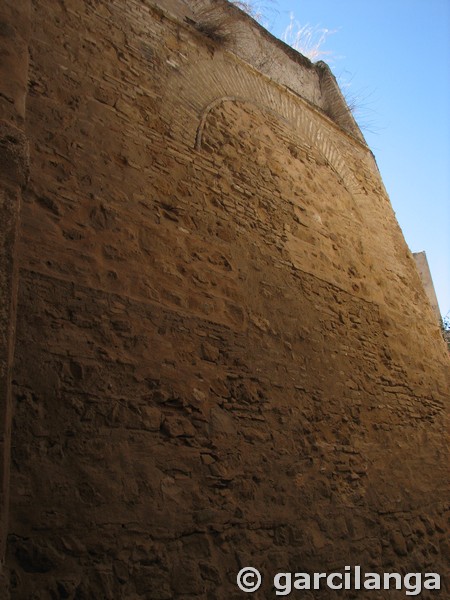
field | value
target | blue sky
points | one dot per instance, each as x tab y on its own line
393	58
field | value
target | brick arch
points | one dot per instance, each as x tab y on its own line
305	129
197	89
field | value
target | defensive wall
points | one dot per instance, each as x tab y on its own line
215	348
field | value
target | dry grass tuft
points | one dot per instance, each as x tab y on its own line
307	39
217	23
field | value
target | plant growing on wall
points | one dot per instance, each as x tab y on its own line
445	329
220	25
307	39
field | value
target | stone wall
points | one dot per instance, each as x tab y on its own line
219	360
14	36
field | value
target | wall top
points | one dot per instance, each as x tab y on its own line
225	24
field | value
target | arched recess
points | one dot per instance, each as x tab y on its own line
280	192
311	133
198	88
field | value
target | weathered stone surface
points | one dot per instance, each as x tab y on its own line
223	356
14	171
14	158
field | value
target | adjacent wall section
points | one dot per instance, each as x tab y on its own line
224	355
427	281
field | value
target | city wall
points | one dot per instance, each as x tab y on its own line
217	351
